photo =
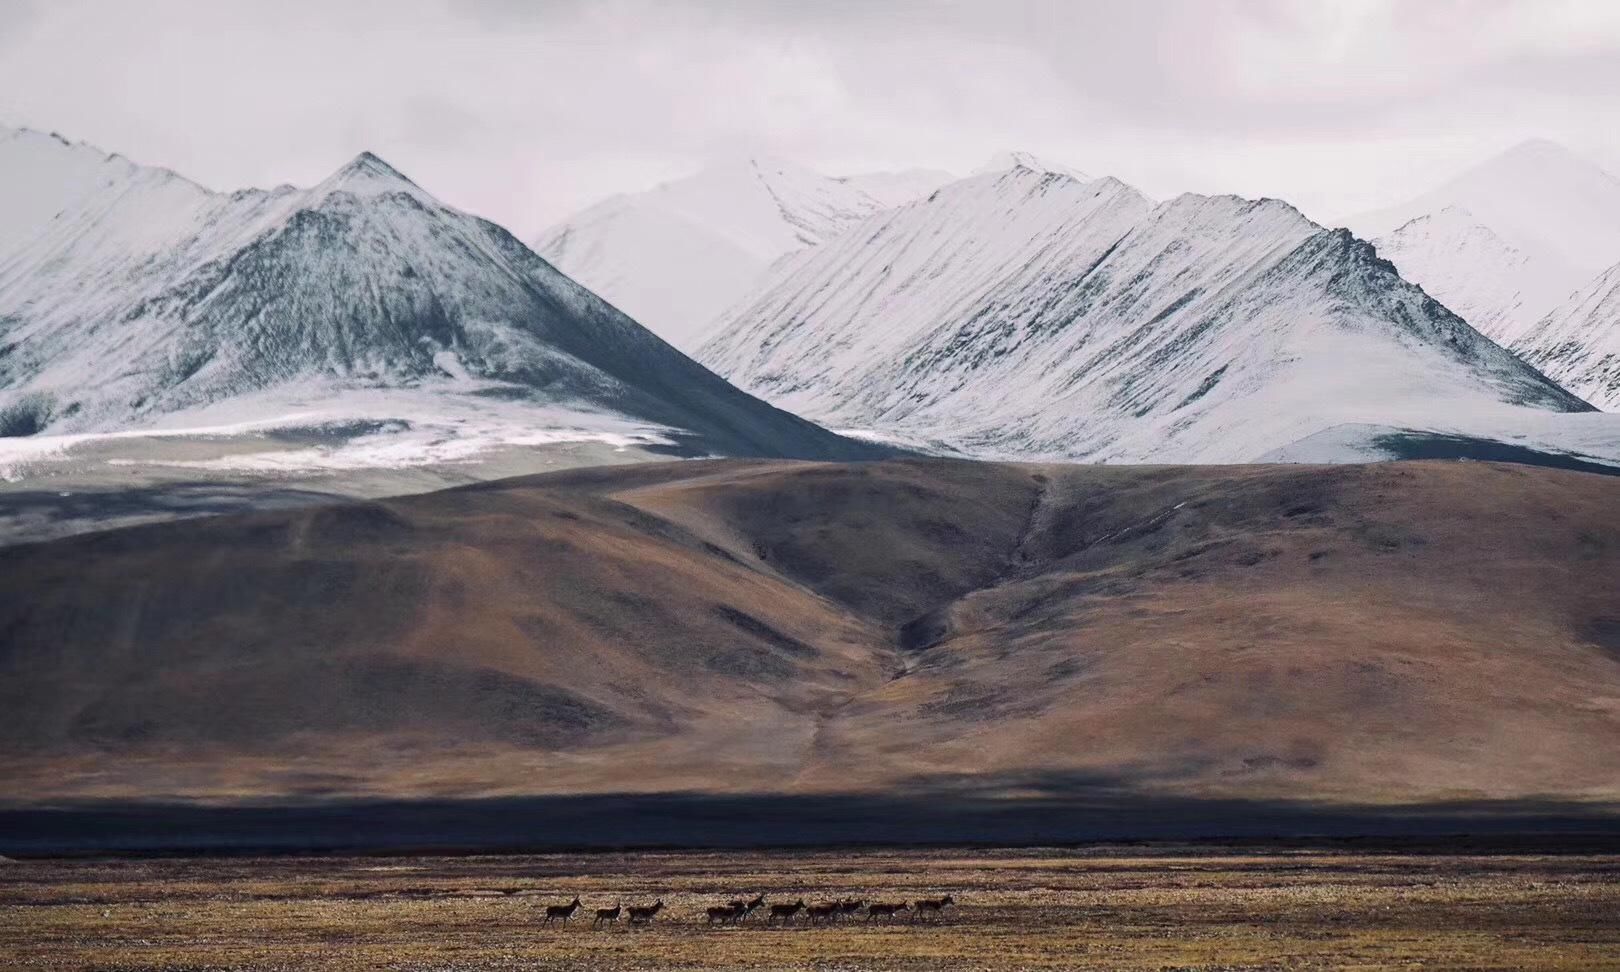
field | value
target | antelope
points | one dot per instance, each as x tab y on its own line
610	915
720	914
564	912
885	909
746	908
826	910
784	911
933	906
643	914
850	906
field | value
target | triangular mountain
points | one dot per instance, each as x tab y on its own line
1002	161
1506	241
676	256
150	295
1578	344
1460	261
1029	314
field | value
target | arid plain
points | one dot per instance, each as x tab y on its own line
1114	908
765	654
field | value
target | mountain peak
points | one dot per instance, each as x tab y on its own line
368	175
1557	209
1544	149
1538	160
1022	314
56	140
1002	161
370	165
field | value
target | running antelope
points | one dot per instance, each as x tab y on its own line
720	914
885	909
784	911
746	908
564	912
643	914
822	911
609	915
850	906
933	906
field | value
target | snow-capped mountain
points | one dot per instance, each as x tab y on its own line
1002	161
1508	240
45	175
1490	283
898	188
148	295
677	255
1578	345
1030	314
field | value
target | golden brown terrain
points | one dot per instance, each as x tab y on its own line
1102	909
1389	635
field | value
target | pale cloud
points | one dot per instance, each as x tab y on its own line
525	111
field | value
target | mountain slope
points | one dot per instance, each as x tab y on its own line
1028	314
45	175
152	295
1459	261
1402	633
898	188
1578	344
677	255
1003	161
1556	215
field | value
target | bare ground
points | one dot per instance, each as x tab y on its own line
1403	634
1162	908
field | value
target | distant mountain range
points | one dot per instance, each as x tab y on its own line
129	293
1578	344
1352	639
1030	314
1027	311
676	256
1523	246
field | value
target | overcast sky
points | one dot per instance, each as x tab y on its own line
525	111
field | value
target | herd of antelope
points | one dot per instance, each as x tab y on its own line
739	910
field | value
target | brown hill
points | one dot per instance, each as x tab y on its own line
1399	633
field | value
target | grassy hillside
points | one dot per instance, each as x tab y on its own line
1399	633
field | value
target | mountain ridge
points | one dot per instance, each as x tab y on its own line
1578	343
174	297
1558	214
1029	315
677	254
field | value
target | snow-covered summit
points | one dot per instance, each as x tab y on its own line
1467	266
677	255
1537	196
367	175
46	174
150	295
1507	240
1578	344
1028	314
1002	161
